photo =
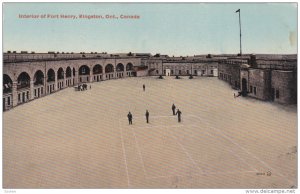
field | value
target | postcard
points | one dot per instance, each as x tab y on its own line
150	96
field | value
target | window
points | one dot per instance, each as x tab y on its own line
211	71
172	72
203	71
164	71
34	92
254	90
27	96
277	93
187	72
195	71
42	91
251	88
8	101
179	72
156	71
19	97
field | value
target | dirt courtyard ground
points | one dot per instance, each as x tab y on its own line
74	139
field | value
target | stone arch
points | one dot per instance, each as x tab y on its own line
84	70
50	75
7	84
129	67
120	67
23	80
109	68
68	72
97	69
38	78
60	73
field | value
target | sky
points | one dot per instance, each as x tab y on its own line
168	28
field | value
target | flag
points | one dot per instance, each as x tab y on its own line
237	10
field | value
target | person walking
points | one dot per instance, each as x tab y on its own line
179	115
173	109
144	87
129	118
147	116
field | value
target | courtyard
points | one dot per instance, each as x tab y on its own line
82	139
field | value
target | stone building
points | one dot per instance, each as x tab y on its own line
27	76
229	71
271	79
183	66
30	76
264	78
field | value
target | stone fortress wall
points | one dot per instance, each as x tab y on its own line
28	76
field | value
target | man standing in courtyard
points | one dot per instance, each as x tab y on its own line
144	87
147	116
179	115
129	118
173	108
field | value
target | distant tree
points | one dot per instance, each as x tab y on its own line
129	54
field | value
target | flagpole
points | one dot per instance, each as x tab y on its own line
240	31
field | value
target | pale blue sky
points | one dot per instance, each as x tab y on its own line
174	29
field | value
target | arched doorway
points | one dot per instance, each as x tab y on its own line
38	83
74	73
68	76
50	80
129	69
38	78
97	72
84	73
23	87
120	70
23	81
68	72
7	84
7	92
60	77
109	69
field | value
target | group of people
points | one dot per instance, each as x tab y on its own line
83	87
178	113
147	114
